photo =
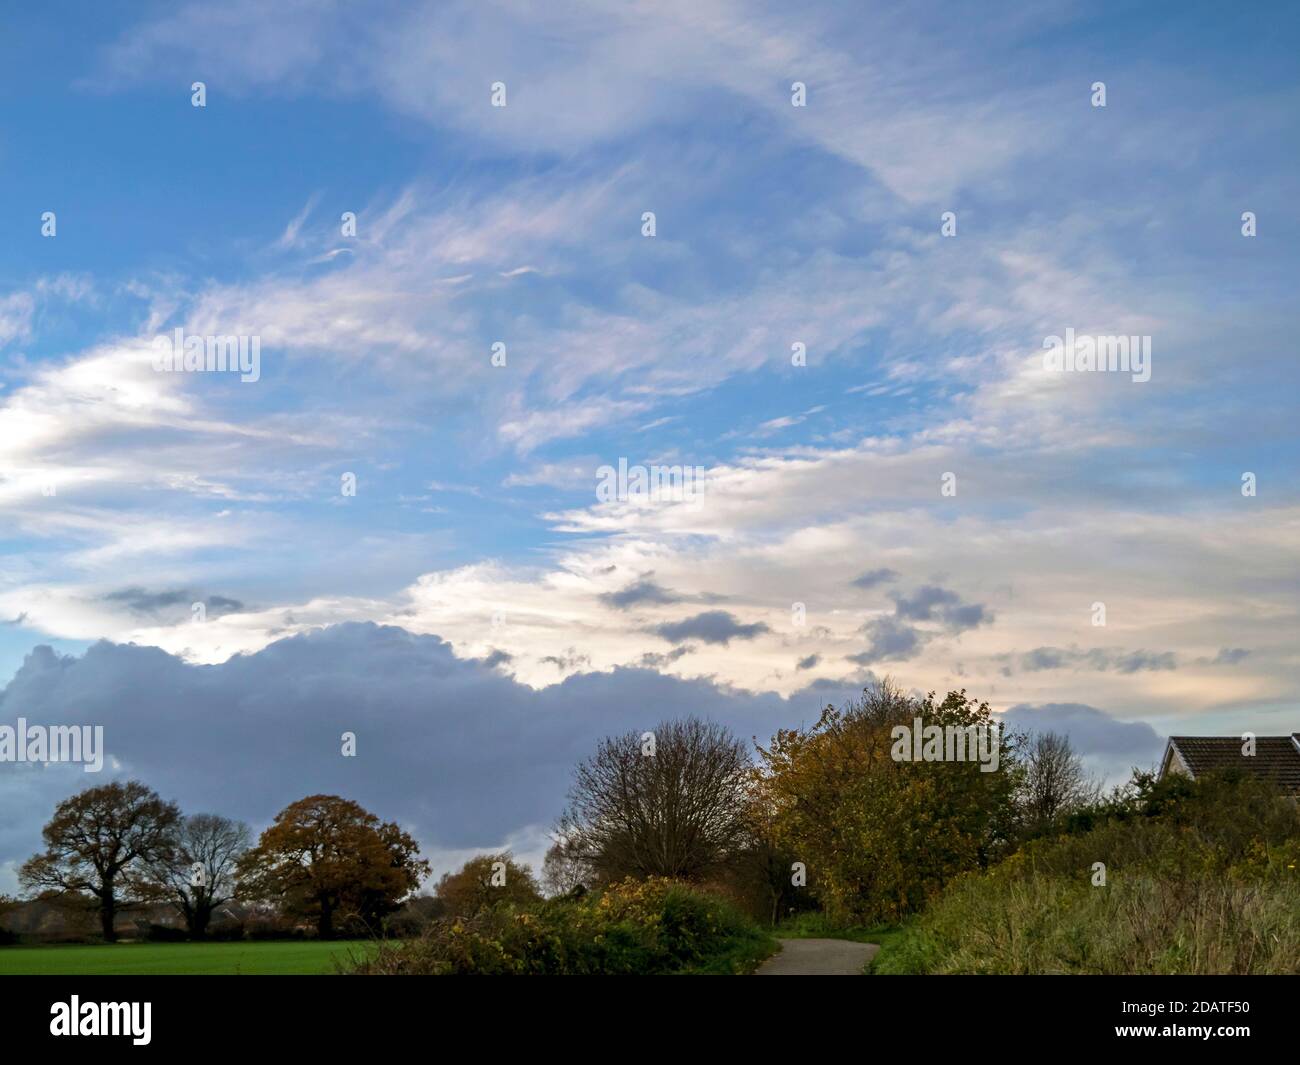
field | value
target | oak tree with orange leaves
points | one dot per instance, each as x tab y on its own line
328	859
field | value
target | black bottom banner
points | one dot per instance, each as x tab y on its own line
982	1014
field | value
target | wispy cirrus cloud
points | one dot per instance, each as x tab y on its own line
824	531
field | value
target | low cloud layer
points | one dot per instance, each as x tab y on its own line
459	753
1111	748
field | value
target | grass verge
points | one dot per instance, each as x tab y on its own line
268	958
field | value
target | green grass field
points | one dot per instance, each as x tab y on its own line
179	959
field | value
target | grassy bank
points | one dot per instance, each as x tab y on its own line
1138	924
1196	879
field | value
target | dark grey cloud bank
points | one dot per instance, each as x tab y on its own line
457	751
1111	748
453	748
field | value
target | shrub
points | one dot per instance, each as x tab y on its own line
258	928
413	918
160	933
633	927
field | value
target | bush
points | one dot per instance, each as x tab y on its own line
259	928
414	917
160	933
633	927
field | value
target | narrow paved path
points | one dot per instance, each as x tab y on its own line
818	957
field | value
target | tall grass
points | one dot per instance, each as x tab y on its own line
1136	924
1205	883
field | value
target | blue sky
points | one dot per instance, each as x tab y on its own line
476	520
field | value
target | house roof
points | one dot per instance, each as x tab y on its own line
1276	758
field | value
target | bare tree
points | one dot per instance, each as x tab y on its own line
666	803
199	875
1055	780
563	870
97	844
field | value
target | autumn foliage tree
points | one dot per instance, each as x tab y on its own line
99	843
485	880
876	835
759	874
328	859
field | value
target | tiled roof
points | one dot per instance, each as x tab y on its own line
1276	758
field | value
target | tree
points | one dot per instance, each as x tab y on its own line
1055	781
485	880
198	876
97	844
326	857
8	905
668	803
760	874
563	871
877	835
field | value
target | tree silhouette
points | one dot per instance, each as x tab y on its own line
198	875
99	842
